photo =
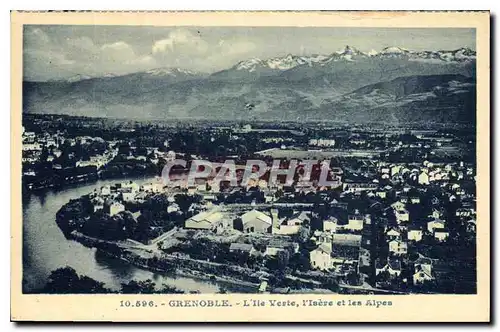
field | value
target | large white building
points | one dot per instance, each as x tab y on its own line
115	208
256	221
205	220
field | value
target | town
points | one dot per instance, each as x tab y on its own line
398	218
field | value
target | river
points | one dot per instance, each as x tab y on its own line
45	248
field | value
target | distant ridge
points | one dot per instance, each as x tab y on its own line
347	85
348	53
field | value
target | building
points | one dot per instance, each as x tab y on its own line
136	215
326	257
359	187
392	266
355	222
423	178
344	254
402	216
114	208
395	169
322	142
276	245
330	225
298	219
205	220
346	239
106	190
242	247
399	205
436	214
174	207
423	270
398	247
256	221
463	212
441	234
128	195
291	225
328	239
435	224
321	258
415	234
422	275
393	233
131	186
415	200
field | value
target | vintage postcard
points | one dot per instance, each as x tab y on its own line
250	166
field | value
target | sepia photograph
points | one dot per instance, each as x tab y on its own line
336	162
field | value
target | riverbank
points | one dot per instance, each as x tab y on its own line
235	279
139	257
46	248
33	185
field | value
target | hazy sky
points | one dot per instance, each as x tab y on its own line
56	52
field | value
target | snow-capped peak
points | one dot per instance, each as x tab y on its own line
249	64
348	50
394	50
279	63
464	54
283	63
78	77
351	54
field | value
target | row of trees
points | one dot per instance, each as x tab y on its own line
67	281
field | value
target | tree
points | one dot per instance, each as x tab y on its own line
383	277
352	278
138	287
166	289
67	281
222	290
303	234
283	257
331	284
300	261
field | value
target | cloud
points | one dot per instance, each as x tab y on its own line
144	62
36	37
43	59
118	51
81	44
180	40
52	56
234	47
186	49
48	58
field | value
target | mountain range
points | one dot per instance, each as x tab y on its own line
348	85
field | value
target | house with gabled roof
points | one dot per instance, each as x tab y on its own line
422	273
242	247
441	234
402	216
415	233
393	266
205	220
398	247
256	221
435	224
321	257
399	205
393	233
